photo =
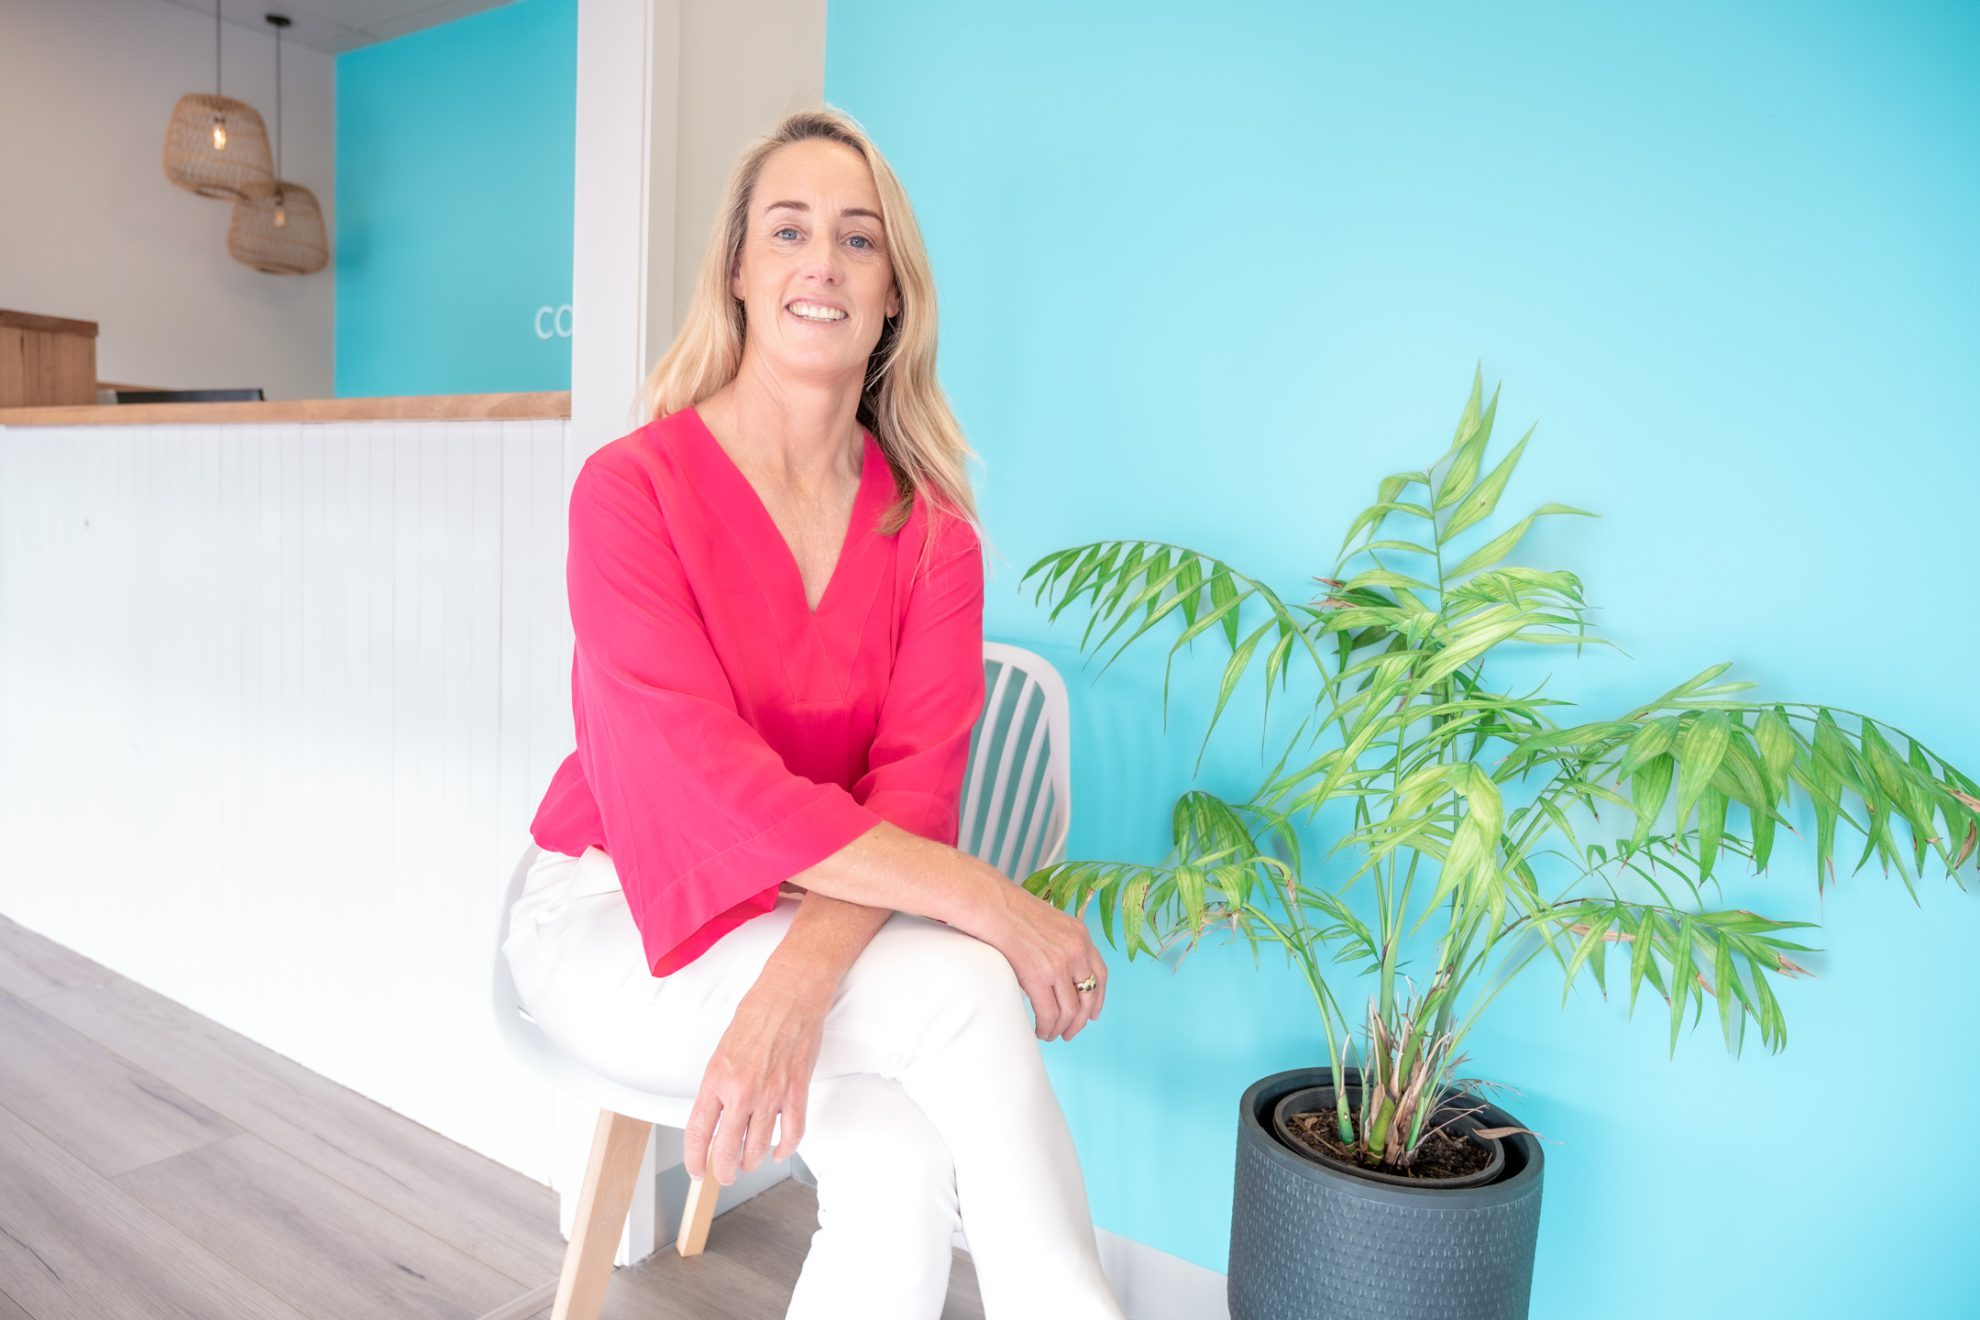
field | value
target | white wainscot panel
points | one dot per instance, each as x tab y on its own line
277	702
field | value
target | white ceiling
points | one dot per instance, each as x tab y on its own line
335	26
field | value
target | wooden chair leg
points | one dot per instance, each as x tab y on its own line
695	1215
616	1151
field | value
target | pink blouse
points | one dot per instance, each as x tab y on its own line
728	737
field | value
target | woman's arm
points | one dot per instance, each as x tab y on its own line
1049	950
892	869
758	1078
759	1075
828	933
825	938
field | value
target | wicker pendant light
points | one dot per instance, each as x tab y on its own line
214	145
278	226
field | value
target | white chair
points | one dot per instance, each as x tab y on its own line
1015	813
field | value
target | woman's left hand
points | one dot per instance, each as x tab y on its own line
760	1070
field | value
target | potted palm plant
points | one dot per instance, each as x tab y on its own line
1484	832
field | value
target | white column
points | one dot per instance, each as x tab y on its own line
628	73
628	112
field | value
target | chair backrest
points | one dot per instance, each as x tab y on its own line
1017	790
1016	813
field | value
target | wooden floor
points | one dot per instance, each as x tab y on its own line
155	1164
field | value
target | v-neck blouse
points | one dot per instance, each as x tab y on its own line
729	737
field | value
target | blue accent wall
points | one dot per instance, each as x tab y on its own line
1207	272
456	161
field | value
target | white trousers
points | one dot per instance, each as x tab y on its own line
929	1107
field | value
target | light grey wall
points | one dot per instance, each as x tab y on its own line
90	228
744	64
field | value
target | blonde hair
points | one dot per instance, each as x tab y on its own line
901	402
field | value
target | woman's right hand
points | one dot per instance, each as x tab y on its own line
1049	950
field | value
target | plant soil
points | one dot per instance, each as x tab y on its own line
1439	1156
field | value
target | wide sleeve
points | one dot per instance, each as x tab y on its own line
699	812
921	741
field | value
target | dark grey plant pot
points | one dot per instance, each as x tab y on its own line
1312	1242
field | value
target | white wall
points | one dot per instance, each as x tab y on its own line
278	704
745	64
90	228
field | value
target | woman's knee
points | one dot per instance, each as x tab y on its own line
981	970
920	987
950	962
876	1156
968	985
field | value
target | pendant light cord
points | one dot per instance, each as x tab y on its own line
278	104
217	91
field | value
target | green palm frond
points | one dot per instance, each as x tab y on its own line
1688	957
1407	732
1143	582
1222	871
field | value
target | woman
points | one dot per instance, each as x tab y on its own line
749	890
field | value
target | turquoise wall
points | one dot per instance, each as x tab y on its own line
1208	272
456	150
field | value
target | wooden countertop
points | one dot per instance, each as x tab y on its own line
407	408
58	325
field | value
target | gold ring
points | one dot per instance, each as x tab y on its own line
1086	986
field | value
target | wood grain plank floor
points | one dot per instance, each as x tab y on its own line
73	1246
31	966
155	1164
493	1213
131	1118
308	1239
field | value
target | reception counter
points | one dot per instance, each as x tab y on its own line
280	687
405	408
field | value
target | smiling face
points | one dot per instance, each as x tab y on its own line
814	275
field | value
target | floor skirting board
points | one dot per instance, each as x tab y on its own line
1153	1285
